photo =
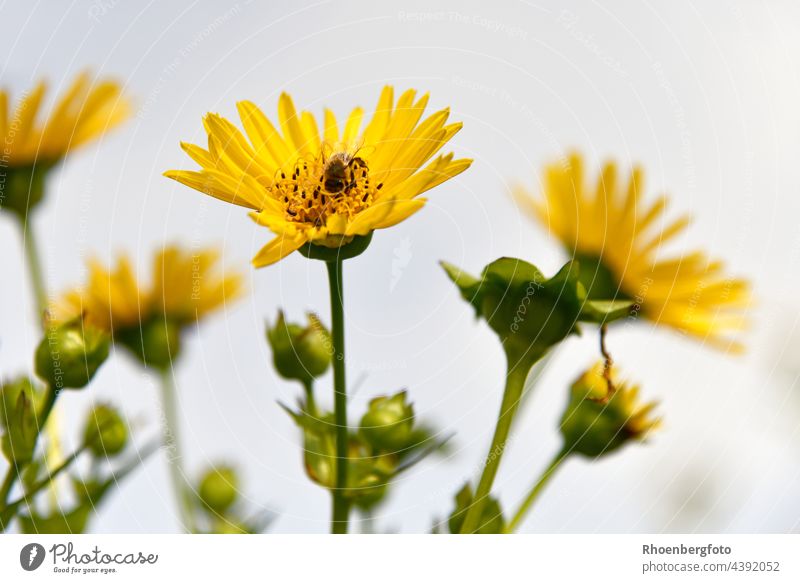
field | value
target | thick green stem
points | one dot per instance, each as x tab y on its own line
532	496
515	383
177	474
341	507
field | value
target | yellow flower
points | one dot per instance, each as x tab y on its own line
85	111
324	188
615	237
597	421
184	289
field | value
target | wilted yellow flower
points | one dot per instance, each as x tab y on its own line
617	240
184	288
84	112
325	187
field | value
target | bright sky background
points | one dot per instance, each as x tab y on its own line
704	96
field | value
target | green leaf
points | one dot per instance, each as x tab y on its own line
605	311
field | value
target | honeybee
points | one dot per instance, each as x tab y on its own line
338	172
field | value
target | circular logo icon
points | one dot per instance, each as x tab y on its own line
31	556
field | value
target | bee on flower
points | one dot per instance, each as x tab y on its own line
324	188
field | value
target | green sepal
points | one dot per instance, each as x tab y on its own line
353	248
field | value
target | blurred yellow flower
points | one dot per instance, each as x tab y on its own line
598	420
86	110
324	188
615	237
184	289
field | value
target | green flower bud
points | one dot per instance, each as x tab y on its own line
20	404
156	343
491	522
70	354
24	188
300	353
219	488
600	419
105	432
368	474
9	395
388	424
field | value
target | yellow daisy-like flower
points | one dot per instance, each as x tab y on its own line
615	236
324	188
184	289
84	112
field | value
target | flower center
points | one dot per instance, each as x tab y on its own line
317	189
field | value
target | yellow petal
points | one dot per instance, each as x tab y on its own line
277	249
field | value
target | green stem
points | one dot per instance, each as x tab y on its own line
311	403
33	260
341	508
7	512
8	483
515	383
180	486
15	470
34	263
527	504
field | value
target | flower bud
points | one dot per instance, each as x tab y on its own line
20	402
105	432
219	488
156	343
368	474
600	418
300	353
9	394
70	354
388	424
491	521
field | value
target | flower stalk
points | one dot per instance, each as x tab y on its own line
34	266
515	385
535	491
341	507
174	453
